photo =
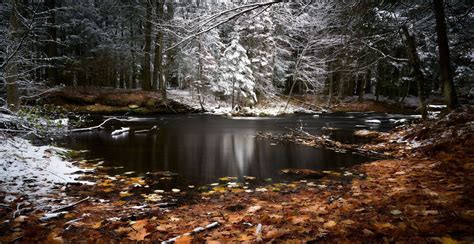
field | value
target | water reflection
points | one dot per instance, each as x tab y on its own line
203	148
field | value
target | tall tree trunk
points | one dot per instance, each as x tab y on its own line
51	44
331	83
415	61
200	74
340	94
158	73
158	62
11	69
146	85
170	77
132	52
444	59
363	83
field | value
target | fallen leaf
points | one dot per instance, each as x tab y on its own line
69	216
152	197
122	230
274	234
448	240
249	177
54	236
467	215
384	225
184	239
228	178
219	189
254	209
174	219
299	219
138	235
329	224
139	224
20	219
244	238
96	225
396	212
348	222
429	212
119	203
138	232
367	232
165	227
124	194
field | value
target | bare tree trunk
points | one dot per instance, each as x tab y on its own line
51	45
233	93
415	61
340	94
363	83
158	73
158	64
11	69
449	90
170	78
331	84
200	75
133	78
146	85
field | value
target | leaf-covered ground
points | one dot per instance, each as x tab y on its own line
425	195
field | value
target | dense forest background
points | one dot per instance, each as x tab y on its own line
239	50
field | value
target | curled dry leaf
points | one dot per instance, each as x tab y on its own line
138	232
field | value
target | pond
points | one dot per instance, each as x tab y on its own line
203	148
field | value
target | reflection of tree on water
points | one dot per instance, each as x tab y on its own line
213	155
244	150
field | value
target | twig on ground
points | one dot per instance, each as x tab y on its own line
69	206
193	232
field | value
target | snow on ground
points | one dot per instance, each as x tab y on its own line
409	101
217	107
32	170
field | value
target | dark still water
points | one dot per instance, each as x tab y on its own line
202	148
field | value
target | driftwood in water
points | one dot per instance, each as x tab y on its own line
154	128
97	127
303	137
120	131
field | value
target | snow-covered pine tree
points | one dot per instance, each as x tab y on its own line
236	77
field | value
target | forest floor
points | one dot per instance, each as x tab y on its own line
112	101
421	193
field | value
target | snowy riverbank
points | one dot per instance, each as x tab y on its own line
26	169
273	107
